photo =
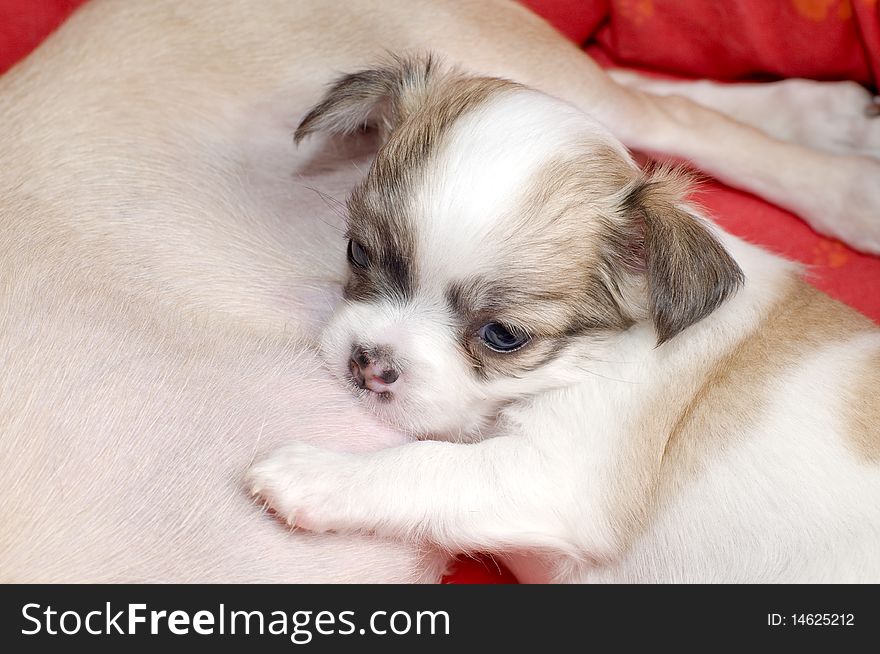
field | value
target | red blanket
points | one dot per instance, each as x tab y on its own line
734	39
730	40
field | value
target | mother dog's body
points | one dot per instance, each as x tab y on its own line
160	261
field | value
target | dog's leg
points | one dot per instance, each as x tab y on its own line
839	117
500	494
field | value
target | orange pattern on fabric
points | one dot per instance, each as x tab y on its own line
638	11
819	10
832	254
815	10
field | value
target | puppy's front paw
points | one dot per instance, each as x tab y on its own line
302	484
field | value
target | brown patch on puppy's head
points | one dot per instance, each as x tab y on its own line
378	97
537	272
386	96
594	247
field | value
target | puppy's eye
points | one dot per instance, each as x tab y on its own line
357	255
499	338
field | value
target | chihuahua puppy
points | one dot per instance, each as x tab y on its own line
627	393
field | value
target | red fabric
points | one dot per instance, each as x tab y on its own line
576	19
734	39
819	39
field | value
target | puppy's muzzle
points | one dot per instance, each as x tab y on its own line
373	370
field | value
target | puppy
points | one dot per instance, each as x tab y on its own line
632	395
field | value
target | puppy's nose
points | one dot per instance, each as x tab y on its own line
372	370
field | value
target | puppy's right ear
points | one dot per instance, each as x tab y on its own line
375	98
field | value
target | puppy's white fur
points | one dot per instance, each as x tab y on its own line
483	174
616	459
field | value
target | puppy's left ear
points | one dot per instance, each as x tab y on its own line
688	273
376	98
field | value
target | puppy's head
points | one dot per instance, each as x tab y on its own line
499	237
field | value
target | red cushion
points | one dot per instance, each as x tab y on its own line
822	39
